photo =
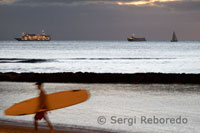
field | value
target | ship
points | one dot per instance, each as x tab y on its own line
174	38
34	37
133	38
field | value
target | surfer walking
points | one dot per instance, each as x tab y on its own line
42	108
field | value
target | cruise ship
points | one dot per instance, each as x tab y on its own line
34	37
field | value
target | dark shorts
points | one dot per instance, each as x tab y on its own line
40	115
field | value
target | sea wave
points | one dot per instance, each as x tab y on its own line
28	60
23	60
117	58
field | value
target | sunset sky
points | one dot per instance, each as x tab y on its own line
101	19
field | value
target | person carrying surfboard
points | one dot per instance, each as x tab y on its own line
42	109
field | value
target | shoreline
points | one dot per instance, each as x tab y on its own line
80	77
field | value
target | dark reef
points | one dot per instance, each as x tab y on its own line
80	77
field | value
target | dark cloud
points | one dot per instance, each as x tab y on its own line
170	4
70	2
99	19
183	6
57	2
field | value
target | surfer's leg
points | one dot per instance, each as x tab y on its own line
36	125
35	122
48	122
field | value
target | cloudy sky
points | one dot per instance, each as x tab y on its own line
101	19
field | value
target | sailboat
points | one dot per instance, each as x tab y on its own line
174	38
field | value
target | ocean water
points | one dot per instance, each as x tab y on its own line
100	56
115	107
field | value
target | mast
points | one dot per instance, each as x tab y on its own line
43	33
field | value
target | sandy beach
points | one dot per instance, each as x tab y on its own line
126	101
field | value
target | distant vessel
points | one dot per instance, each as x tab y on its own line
133	38
34	37
174	38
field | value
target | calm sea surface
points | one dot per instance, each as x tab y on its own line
100	56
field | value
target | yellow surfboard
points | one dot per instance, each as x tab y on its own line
54	101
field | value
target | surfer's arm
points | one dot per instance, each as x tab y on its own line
42	102
41	107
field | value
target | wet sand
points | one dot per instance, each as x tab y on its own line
23	129
16	127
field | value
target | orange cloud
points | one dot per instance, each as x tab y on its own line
145	2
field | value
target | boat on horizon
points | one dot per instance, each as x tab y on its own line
34	37
133	38
174	38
